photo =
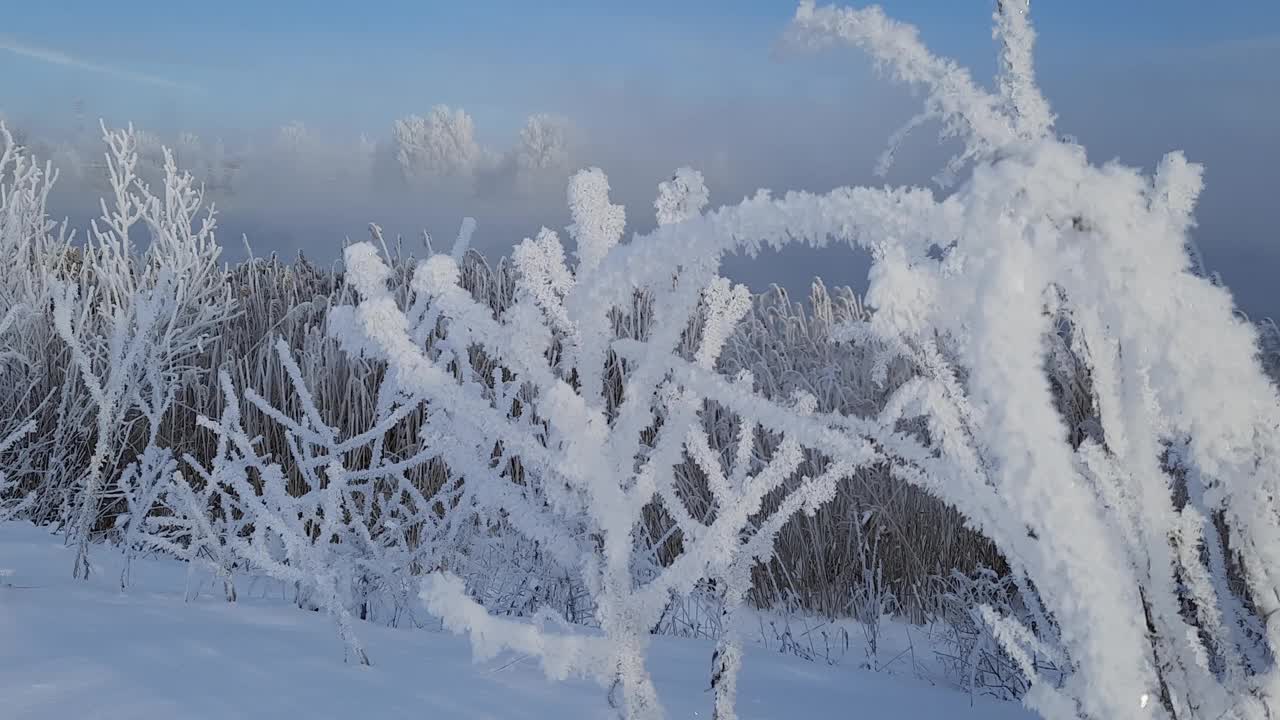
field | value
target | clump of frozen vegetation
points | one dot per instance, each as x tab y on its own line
601	430
24	189
590	462
1111	537
1119	532
135	329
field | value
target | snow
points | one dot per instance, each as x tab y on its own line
74	649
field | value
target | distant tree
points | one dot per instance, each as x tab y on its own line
438	147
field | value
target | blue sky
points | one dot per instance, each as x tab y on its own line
662	83
356	64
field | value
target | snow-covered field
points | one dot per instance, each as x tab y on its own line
70	649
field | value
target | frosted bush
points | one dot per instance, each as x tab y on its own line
590	462
1033	234
24	237
355	532
11	503
135	326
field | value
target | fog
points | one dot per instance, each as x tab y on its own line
299	189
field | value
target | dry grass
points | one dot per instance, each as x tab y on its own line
821	561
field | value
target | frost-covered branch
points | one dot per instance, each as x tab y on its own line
134	328
593	462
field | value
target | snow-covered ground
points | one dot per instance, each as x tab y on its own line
72	649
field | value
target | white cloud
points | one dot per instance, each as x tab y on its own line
57	57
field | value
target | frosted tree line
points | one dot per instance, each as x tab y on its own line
1039	391
436	151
